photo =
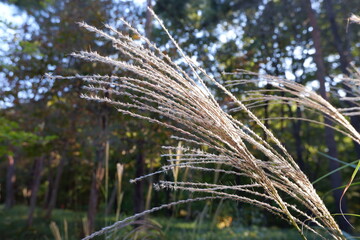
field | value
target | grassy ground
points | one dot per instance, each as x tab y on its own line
12	226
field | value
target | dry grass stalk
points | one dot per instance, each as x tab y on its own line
354	19
186	105
85	225
55	231
310	100
304	96
119	192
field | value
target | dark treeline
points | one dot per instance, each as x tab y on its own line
59	151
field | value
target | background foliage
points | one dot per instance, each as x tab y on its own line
45	119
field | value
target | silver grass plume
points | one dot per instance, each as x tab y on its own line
211	136
290	92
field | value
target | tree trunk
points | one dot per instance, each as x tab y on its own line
338	43
149	21
10	182
335	179
150	188
50	180
99	172
111	203
97	178
35	188
55	188
344	55
296	127
140	159
139	186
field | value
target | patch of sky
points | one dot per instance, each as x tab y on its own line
99	43
299	72
316	5
261	8
227	35
298	52
327	86
262	80
199	34
10	13
338	78
12	20
140	2
289	75
309	63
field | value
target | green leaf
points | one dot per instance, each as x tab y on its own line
335	170
347	187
